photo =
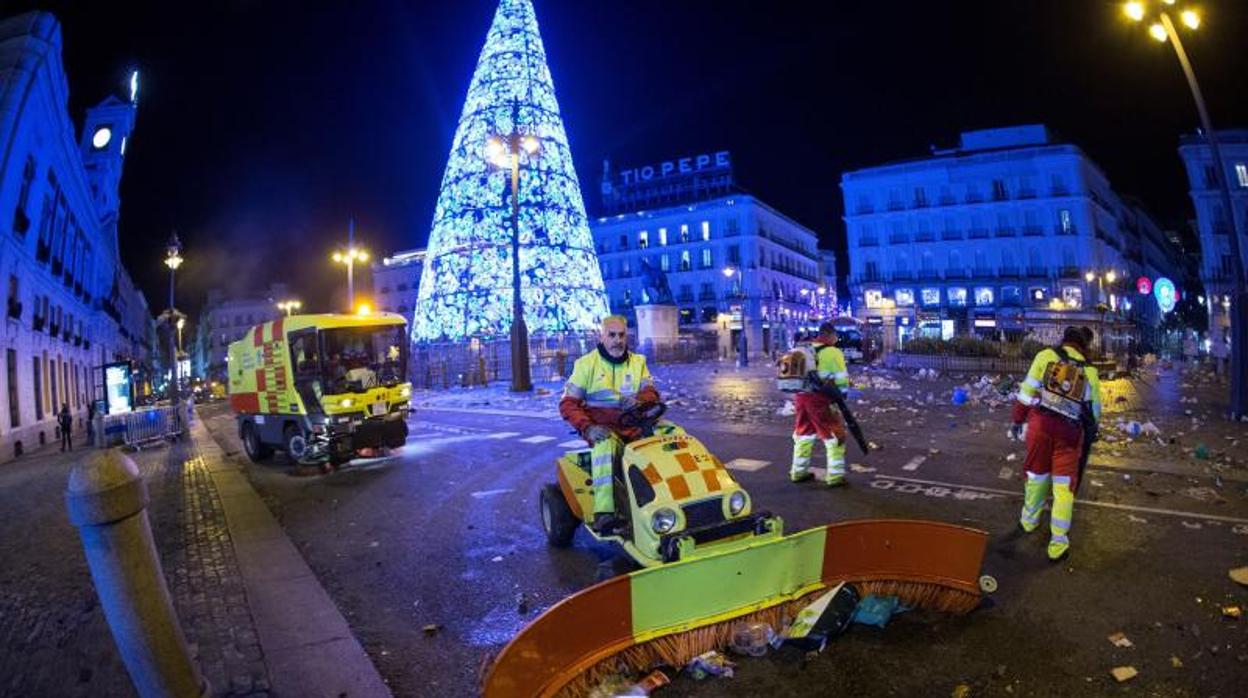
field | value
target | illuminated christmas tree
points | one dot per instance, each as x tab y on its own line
466	288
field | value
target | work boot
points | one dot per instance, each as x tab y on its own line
1058	551
604	523
800	477
834	481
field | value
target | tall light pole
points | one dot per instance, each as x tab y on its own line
173	260
1102	307
1162	29
505	152
289	307
743	342
349	256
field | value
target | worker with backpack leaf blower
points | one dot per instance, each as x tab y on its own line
1058	408
817	374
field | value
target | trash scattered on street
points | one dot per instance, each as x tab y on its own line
652	681
613	685
752	639
1192	525
1012	457
1006	474
1239	575
1119	639
1232	612
1176	662
877	610
961	691
823	619
710	664
856	468
786	410
431	628
1124	673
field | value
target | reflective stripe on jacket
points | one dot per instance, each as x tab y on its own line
1029	390
597	387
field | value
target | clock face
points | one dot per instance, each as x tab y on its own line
101	137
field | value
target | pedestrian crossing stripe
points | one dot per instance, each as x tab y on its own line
574	443
537	439
502	435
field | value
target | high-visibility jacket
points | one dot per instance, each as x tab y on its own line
599	385
1029	389
830	364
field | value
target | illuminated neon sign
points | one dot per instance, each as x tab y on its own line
1166	294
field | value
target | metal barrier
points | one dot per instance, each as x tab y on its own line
141	427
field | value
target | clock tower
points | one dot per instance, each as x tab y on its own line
104	138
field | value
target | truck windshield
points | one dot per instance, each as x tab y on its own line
361	358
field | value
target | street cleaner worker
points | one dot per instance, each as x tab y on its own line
814	417
604	383
1060	404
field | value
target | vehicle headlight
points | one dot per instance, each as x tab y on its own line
346	402
663	520
405	391
737	502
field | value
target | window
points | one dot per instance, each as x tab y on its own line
15	411
685	263
707	260
663	237
1241	174
920	197
904	297
664	263
873	297
734	254
931	296
706	230
709	314
628	297
52	380
1011	295
1065	222
957	296
626	268
733	226
684	232
1072	296
21	222
998	190
643	239
1211	177
623	241
707	291
983	295
37	377
872	270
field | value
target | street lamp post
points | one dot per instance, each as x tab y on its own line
289	307
504	152
349	256
1101	306
173	260
1161	30
743	341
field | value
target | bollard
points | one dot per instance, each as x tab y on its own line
107	501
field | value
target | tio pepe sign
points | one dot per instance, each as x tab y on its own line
680	166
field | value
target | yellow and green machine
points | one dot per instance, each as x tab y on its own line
321	387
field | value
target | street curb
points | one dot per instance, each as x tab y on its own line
307	645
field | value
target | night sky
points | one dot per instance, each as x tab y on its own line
263	125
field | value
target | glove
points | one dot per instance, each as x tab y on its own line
1017	432
627	402
595	433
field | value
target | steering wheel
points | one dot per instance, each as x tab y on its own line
643	415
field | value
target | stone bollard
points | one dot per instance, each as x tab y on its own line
107	501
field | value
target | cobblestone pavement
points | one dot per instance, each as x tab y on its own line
54	639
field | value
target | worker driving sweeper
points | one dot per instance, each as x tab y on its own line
604	383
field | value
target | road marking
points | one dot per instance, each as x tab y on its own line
489	493
502	435
1083	502
746	464
914	463
537	439
573	443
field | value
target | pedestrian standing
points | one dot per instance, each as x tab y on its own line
1218	348
66	422
90	422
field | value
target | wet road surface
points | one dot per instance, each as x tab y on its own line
447	533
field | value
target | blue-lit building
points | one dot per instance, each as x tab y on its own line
71	306
731	261
1012	232
1212	223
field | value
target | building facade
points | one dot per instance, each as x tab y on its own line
71	305
1011	233
732	262
396	282
225	319
1213	225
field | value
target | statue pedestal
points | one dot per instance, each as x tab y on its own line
657	327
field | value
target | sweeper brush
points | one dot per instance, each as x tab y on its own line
673	613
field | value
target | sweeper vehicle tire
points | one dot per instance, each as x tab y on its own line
557	518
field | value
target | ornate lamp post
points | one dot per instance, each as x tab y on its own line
173	260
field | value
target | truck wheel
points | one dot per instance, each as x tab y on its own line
256	450
557	518
294	443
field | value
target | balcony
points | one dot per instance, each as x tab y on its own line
706	296
1059	191
1069	273
1005	233
955	274
43	251
898	239
1026	194
896	206
1057	230
37	323
924	236
1007	272
928	275
951	235
1033	231
864	209
978	233
1037	272
54	330
684	298
903	276
983	273
868	242
974	198
947	200
66	335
